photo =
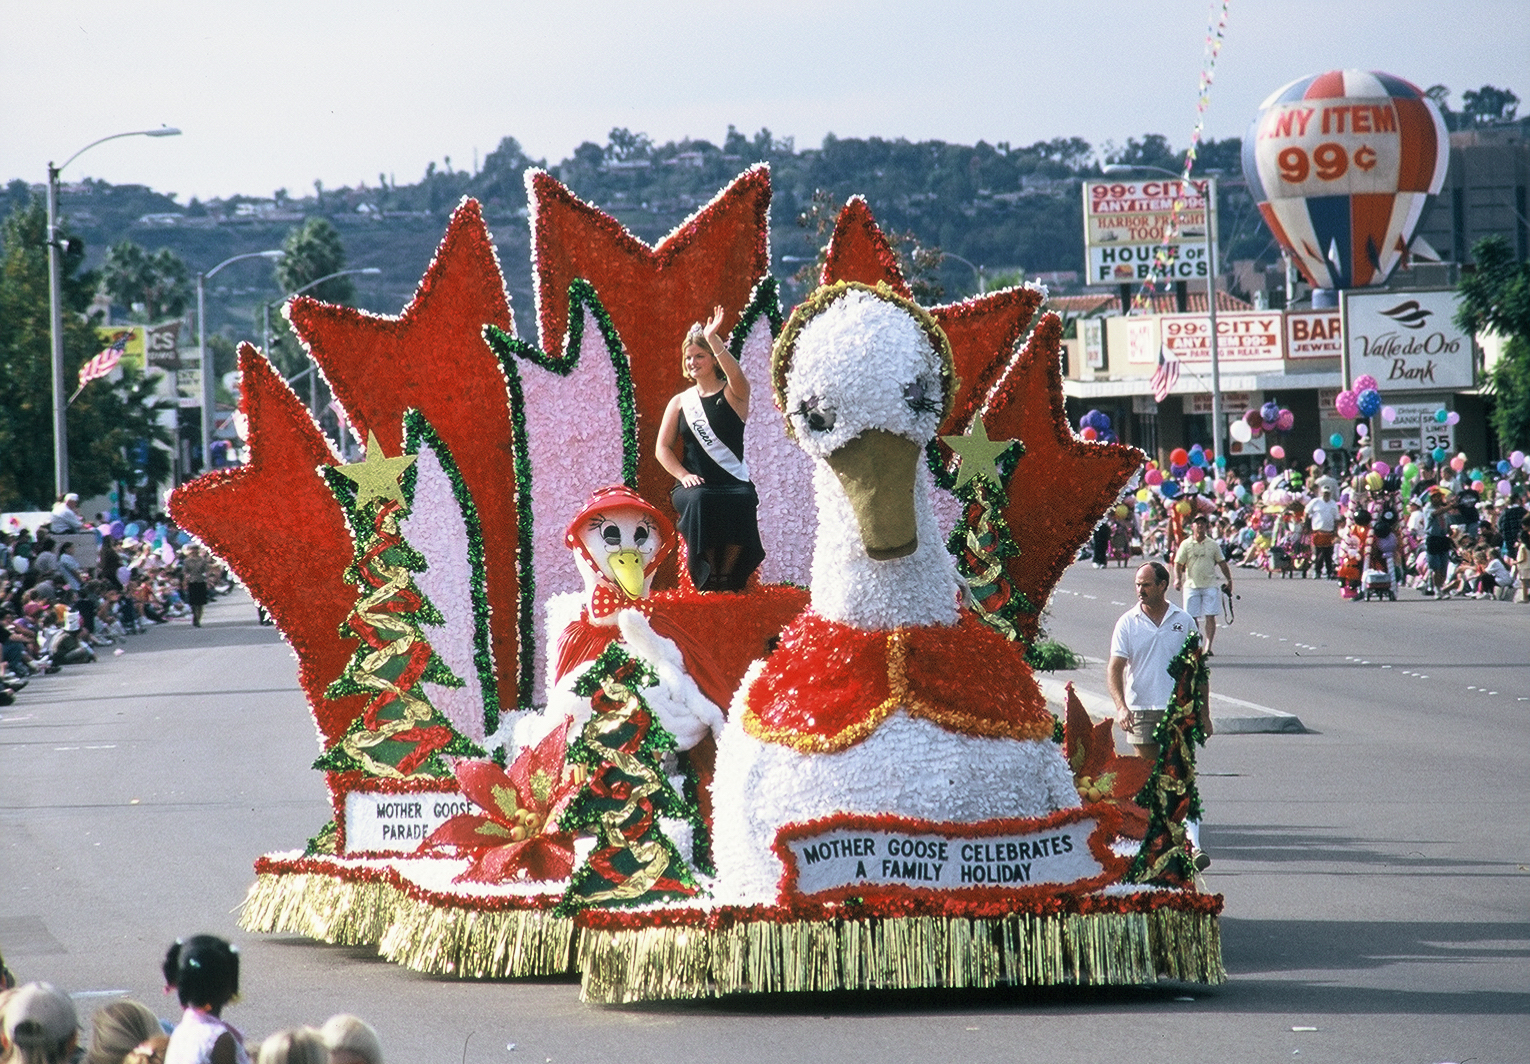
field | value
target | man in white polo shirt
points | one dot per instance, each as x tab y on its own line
1145	641
1196	563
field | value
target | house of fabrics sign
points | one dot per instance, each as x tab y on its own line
1407	340
1125	223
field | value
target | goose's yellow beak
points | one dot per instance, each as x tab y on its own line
627	567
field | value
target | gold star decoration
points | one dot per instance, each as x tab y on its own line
977	454
377	477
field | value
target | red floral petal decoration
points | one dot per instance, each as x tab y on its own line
293	558
859	252
1098	769
433	358
653	294
1077	480
517	838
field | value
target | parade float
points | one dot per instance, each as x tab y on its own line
548	753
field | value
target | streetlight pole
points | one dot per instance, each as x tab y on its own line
981	279
1210	196
209	391
56	306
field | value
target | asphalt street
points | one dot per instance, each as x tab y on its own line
1376	867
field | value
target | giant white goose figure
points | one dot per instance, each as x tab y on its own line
885	696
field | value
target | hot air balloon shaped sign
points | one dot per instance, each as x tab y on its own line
1342	165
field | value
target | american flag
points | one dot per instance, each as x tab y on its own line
1166	375
105	362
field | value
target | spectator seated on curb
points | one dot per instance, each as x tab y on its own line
39	1025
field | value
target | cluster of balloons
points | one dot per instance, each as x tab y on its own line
1192	471
1362	399
1271	417
1446	417
1095	427
155	535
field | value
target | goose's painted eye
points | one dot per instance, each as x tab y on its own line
918	396
612	535
815	416
640	536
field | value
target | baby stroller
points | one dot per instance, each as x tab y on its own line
1377	583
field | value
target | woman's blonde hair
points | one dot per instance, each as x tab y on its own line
696	335
296	1045
352	1037
117	1029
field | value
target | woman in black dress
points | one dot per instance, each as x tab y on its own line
701	444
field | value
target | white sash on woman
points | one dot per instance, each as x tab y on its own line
701	428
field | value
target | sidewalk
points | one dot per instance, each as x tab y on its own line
1229	716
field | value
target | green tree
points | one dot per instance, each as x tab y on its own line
1488	105
314	250
159	282
108	425
1496	296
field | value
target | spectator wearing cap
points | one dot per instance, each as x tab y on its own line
40	1025
1196	563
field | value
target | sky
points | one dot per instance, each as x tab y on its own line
276	93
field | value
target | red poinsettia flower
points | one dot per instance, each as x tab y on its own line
518	838
1099	773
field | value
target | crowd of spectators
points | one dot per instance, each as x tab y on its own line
1434	529
58	608
39	1023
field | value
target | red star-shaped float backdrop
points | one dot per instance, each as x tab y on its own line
653	294
433	358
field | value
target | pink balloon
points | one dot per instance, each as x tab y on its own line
1452	418
1382	468
1258	486
1195	475
1090	433
1219	485
1320	456
1365	382
1504	487
1458	463
1389	414
1362	430
1285	421
1347	405
1152	478
1406	459
1477	485
1277	452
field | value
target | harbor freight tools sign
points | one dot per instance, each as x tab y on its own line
849	854
376	822
1407	340
1125	223
1242	336
1314	334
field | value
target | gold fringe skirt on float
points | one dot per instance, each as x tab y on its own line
623	966
418	933
660	955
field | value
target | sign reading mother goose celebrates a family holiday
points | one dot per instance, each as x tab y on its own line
856	854
1407	340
